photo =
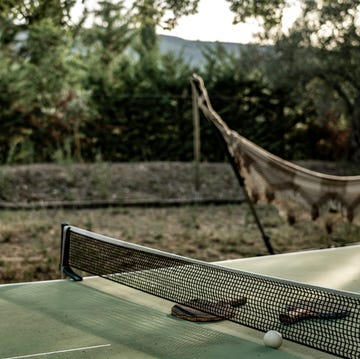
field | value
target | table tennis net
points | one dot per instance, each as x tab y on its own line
252	300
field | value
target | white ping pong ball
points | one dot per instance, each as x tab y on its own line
273	339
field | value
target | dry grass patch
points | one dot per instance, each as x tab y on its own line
30	240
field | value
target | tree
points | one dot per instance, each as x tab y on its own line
35	42
54	86
27	12
38	66
7	5
110	35
165	13
331	39
269	14
322	48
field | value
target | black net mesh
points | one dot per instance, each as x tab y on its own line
317	317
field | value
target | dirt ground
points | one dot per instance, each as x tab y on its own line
115	182
123	181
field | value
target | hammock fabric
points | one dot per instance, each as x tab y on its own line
270	179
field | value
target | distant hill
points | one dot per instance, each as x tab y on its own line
192	51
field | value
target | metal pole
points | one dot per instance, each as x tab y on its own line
197	144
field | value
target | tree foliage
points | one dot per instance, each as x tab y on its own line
106	91
27	12
320	59
165	13
317	60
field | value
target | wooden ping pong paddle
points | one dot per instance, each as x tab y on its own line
189	312
312	309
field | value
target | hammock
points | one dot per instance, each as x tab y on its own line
270	179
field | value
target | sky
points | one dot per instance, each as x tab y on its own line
213	22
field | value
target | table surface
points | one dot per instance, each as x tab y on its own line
97	318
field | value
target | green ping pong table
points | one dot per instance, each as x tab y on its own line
96	318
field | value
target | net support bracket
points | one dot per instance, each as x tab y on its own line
64	259
71	274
